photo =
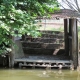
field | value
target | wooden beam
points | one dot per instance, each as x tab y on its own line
74	42
66	37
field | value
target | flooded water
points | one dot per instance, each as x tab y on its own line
34	74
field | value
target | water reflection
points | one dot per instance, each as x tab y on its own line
39	74
43	74
58	75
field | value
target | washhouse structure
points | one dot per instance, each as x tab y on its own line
54	49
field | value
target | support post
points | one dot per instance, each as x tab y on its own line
66	39
70	38
11	56
74	42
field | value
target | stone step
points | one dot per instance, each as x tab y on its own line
40	51
45	40
44	35
52	36
32	44
51	32
42	45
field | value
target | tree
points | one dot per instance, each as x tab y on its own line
20	15
71	4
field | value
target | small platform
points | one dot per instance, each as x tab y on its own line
41	61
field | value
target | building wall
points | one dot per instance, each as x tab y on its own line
51	24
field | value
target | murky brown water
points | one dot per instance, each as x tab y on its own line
39	74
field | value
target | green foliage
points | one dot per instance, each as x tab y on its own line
5	40
20	15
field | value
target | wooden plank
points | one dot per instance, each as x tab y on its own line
66	36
